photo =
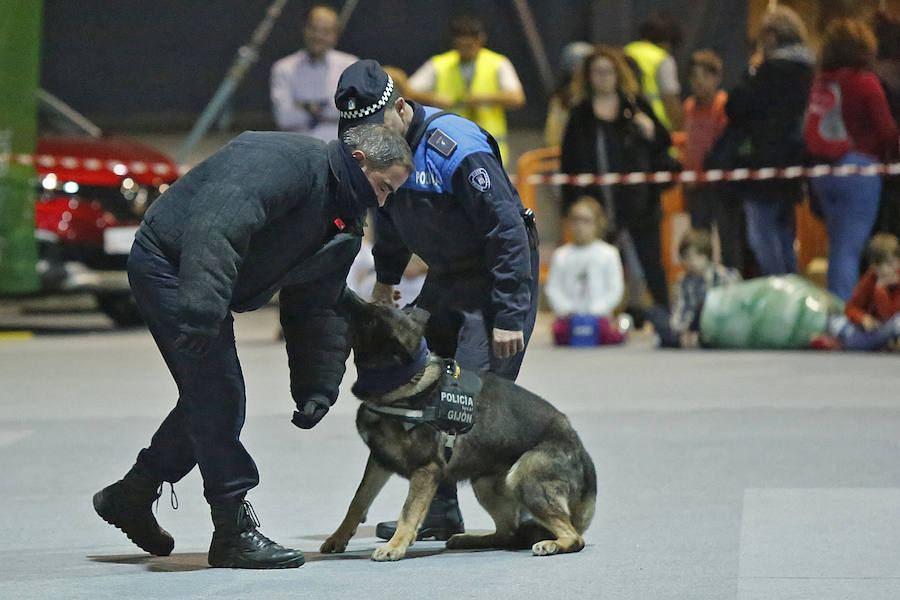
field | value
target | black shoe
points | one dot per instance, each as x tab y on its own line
638	316
442	521
237	544
128	505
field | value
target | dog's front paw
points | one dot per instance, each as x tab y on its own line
545	548
333	545
388	552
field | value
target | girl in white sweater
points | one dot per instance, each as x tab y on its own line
585	276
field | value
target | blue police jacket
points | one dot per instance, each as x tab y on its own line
460	213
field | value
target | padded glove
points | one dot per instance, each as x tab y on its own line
310	411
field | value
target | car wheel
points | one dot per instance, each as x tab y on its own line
121	308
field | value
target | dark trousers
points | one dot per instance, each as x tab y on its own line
771	229
644	230
461	324
204	427
710	204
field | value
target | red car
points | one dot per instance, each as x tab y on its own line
92	194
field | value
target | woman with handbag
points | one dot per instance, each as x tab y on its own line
614	131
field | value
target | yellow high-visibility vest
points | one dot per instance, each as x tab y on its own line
450	83
648	57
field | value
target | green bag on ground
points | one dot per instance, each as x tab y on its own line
783	313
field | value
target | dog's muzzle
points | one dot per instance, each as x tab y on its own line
374	382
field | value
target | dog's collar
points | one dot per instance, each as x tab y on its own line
407	414
374	382
414	409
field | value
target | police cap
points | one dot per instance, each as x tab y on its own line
363	92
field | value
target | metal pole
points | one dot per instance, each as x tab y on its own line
246	56
346	13
536	45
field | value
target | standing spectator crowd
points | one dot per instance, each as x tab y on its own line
617	110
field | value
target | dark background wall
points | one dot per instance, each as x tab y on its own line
139	64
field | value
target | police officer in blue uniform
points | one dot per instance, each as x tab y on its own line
460	213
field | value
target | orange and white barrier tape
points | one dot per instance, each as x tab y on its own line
714	175
49	161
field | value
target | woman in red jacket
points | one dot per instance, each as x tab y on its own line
850	204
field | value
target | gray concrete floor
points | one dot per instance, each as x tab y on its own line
722	475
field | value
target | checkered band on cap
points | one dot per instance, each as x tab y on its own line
372	109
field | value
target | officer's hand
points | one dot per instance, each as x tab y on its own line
508	343
194	344
310	411
384	293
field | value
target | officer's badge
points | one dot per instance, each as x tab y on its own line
480	179
351	104
442	142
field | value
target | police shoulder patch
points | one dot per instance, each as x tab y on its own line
480	180
442	142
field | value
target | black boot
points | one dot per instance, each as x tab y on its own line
128	505
236	543
442	521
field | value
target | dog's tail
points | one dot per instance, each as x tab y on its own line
583	509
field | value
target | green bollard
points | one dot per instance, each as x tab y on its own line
20	39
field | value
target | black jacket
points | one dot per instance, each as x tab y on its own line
259	216
768	107
627	151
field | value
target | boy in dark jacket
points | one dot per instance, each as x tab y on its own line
270	211
681	329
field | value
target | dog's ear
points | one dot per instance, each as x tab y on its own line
352	303
418	315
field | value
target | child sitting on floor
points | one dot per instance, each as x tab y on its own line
586	282
681	329
872	315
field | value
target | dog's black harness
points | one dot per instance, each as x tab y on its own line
448	405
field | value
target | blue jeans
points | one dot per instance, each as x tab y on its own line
771	229
204	427
850	205
856	338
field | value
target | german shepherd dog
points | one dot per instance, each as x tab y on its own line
522	455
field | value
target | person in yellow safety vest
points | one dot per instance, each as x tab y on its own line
471	81
658	72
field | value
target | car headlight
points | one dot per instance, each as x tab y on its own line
139	196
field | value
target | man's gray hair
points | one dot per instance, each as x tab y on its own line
383	147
